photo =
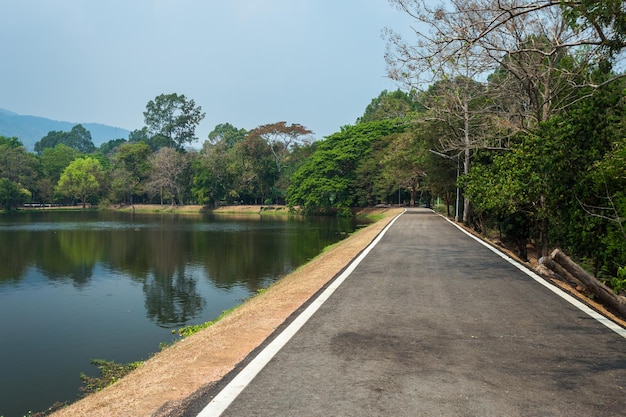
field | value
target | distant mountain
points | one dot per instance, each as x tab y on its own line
30	129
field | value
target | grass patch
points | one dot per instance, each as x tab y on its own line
187	331
110	372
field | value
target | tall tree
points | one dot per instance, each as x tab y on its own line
174	118
227	133
281	138
77	138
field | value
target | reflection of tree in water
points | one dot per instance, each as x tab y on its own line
171	295
15	256
255	258
67	255
172	299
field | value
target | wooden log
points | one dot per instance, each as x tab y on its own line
561	272
603	293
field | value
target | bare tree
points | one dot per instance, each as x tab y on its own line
546	46
452	80
167	166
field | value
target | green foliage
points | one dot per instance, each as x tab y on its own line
606	17
394	105
327	182
83	178
17	165
619	282
227	134
110	372
54	160
131	169
171	120
567	179
108	147
11	195
78	138
10	142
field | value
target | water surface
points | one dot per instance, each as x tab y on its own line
75	286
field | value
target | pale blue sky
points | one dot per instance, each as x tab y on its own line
246	62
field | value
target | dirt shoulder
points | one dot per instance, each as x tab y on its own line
176	373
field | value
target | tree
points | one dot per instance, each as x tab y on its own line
110	146
16	164
78	138
11	195
281	139
459	110
608	179
131	169
174	118
166	168
227	133
55	160
260	168
527	38
83	178
212	180
327	182
394	105
405	162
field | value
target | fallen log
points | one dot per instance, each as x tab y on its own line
603	293
562	273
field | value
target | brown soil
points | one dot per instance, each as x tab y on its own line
176	373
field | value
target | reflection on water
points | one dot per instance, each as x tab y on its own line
81	285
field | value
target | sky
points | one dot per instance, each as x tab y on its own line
317	63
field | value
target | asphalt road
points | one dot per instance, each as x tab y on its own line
432	323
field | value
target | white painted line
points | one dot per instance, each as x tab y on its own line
228	394
564	295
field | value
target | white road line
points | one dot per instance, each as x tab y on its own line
567	297
228	394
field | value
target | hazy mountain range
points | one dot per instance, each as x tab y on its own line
30	129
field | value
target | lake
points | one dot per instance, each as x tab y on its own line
81	285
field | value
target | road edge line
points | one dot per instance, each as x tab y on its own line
564	295
231	391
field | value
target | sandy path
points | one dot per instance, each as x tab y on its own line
167	379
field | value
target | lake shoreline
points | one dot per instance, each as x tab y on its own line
166	381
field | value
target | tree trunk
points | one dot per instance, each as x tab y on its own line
601	291
543	227
467	156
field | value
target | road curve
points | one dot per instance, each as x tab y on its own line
433	323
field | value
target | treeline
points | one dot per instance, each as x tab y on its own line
264	165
